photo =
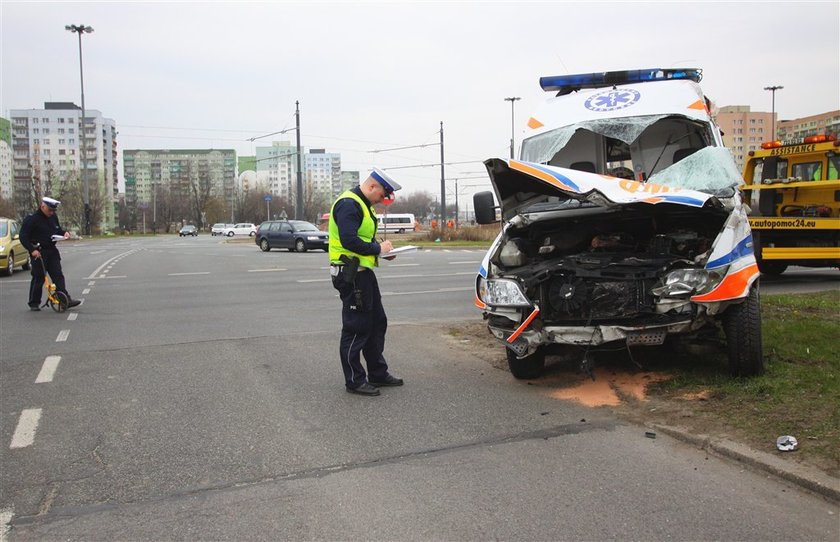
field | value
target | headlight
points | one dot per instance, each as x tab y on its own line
2	248
686	282
313	238
502	292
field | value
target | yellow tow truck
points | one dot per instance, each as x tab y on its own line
794	194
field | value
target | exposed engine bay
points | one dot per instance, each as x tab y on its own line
601	267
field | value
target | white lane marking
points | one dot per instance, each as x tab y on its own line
105	264
185	274
91	283
105	272
62	335
6	515
439	291
86	291
97	252
72	316
48	369
112	277
265	270
465	263
402	264
25	431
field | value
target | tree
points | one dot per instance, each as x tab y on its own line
416	203
7	207
215	211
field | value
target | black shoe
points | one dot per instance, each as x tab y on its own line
389	380
34	306
74	303
364	389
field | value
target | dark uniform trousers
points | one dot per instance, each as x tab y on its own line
362	328
52	263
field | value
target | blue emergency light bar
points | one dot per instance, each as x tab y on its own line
569	83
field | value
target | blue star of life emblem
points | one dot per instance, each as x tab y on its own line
612	99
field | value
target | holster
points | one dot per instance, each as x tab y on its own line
351	267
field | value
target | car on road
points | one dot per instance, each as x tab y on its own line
587	260
12	253
242	228
220	228
296	235
189	229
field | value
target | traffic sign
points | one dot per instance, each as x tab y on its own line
267	197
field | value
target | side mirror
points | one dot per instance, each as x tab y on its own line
15	237
485	208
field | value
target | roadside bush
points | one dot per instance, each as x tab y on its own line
486	232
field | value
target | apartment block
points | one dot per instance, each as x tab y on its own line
822	124
276	168
178	173
47	149
6	160
744	130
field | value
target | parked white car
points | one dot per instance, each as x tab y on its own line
219	229
243	228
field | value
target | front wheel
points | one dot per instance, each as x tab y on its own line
264	246
10	267
300	245
742	326
230	234
60	303
526	368
771	267
252	234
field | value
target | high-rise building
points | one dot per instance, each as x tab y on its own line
822	124
744	130
349	179
277	170
180	176
47	151
6	160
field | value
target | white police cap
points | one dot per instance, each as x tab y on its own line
50	202
389	184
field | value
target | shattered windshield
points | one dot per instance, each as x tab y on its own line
709	170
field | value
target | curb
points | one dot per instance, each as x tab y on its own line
806	477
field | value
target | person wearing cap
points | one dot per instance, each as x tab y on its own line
38	229
354	253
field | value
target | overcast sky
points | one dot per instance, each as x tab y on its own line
377	75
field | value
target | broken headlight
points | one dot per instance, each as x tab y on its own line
502	292
686	282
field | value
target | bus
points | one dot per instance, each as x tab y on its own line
396	222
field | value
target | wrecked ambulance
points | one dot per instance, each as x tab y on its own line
622	225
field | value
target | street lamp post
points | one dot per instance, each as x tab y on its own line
512	99
82	29
773	90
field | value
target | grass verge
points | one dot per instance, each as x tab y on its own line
798	395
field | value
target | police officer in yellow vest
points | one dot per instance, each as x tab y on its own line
354	253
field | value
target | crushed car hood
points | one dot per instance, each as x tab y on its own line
519	185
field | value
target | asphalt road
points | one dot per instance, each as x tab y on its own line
196	394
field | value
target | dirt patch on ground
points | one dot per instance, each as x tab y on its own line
625	389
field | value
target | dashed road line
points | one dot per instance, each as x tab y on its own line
107	262
186	274
62	335
86	291
91	283
25	431
6	515
72	316
48	369
265	270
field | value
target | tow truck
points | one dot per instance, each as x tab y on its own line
794	194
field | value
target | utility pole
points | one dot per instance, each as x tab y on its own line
773	90
82	29
512	99
442	182
299	199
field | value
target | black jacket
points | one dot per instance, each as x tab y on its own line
39	228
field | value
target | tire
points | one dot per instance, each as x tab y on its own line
61	306
10	267
230	234
300	245
252	234
528	367
401	230
264	246
742	326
